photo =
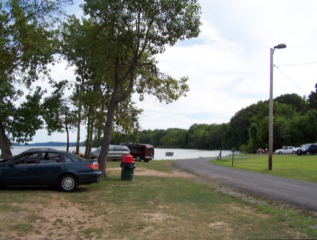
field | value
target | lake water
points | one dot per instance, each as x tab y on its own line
159	153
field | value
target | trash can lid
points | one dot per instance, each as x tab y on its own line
127	159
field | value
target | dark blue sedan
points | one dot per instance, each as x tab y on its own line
44	166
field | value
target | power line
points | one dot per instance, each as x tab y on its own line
297	64
289	79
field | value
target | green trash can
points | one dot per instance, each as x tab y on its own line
127	168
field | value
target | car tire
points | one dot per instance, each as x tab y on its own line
68	183
138	158
279	153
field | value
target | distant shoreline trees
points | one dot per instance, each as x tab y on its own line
294	124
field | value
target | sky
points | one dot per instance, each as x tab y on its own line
228	65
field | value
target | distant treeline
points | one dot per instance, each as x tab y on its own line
295	123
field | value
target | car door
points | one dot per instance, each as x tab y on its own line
49	168
111	153
289	150
117	152
313	149
20	170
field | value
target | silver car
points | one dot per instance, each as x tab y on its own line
116	152
286	150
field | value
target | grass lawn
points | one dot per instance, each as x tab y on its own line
290	166
160	203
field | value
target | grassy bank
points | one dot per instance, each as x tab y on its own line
290	166
160	203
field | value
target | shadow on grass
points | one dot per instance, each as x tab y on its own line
30	188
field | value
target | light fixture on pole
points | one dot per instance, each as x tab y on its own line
271	104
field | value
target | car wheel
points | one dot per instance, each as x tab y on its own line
279	153
138	158
68	183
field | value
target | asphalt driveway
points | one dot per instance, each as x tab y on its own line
295	192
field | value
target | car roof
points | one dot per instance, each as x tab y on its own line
41	149
112	145
140	144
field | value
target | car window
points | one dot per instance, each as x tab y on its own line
111	148
28	158
120	148
67	159
50	157
74	156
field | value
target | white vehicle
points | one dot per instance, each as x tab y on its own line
115	152
286	150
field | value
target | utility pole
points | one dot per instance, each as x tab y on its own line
271	105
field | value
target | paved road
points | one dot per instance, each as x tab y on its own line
298	193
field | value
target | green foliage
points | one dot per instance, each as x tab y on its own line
312	99
175	138
130	33
27	43
254	138
297	102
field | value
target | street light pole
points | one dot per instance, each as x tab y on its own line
271	104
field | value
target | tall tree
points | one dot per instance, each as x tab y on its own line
27	43
293	100
79	47
76	45
312	99
136	30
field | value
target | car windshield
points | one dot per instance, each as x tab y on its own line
305	146
4	160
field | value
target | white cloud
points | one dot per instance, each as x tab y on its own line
228	65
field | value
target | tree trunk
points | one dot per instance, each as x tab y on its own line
115	99
106	137
89	144
78	131
67	132
88	136
4	143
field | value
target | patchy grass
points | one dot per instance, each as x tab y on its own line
160	203
290	166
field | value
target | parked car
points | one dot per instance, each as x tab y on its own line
308	149
116	152
45	166
141	151
286	150
301	146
